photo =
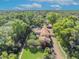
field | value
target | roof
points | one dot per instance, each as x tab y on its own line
44	32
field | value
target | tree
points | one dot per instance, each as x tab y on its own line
12	56
53	17
4	55
67	31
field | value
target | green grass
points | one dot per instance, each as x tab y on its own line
27	54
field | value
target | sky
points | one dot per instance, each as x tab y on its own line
39	4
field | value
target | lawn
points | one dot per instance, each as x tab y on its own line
27	54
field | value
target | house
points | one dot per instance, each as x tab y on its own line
44	36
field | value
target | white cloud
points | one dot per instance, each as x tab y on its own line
74	3
62	2
28	6
55	7
43	0
67	2
34	5
6	0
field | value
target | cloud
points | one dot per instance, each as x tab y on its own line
55	7
43	0
67	2
6	0
61	2
28	6
74	3
34	5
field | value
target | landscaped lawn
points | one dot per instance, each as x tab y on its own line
27	54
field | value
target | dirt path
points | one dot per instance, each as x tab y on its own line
21	54
57	50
